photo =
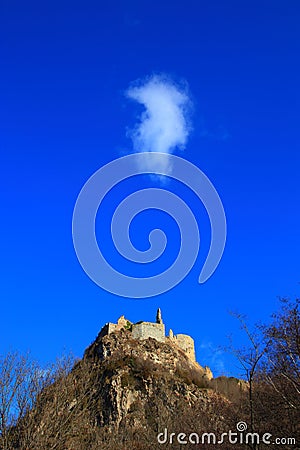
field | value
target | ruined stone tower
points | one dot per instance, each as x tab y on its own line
155	330
158	316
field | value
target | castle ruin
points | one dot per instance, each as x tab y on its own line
155	330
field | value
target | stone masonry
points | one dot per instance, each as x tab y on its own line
186	343
144	330
156	330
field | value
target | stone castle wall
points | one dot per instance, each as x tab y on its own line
112	327
186	343
144	330
107	329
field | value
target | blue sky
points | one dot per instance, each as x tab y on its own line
65	67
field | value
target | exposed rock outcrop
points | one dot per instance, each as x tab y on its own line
123	393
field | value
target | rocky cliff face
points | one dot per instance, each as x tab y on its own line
122	394
136	374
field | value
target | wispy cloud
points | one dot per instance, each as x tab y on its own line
214	358
164	124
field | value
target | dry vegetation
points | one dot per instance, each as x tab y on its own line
123	401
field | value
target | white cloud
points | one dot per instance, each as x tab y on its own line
214	358
164	124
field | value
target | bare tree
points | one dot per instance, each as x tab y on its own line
249	359
271	366
283	355
280	370
15	371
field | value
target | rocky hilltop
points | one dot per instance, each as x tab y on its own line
131	392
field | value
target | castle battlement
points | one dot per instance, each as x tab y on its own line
155	330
